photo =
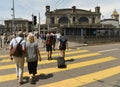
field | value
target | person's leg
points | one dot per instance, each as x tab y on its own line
62	53
35	67
21	68
17	67
50	52
29	64
47	49
53	45
48	55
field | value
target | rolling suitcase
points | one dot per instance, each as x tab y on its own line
61	62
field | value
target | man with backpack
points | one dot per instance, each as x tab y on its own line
19	59
48	44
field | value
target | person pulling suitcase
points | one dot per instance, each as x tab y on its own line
62	45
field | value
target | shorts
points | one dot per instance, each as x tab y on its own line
48	47
62	48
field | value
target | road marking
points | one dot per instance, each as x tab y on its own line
79	65
9	77
85	79
108	50
42	53
54	55
46	61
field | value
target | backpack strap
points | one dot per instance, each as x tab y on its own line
19	42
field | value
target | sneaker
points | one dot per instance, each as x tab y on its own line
20	83
50	58
30	79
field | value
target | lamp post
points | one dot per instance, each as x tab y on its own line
13	17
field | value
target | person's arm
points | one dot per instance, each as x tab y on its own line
67	47
38	53
24	48
10	48
24	51
58	45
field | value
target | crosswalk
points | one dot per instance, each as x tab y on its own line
76	60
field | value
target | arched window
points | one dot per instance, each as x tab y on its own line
83	20
93	20
73	19
63	20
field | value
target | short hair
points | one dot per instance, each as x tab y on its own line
20	33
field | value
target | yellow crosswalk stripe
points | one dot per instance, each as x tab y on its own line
42	52
55	54
85	79
46	61
4	56
78	65
53	70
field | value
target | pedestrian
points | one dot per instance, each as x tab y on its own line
4	40
19	61
58	36
33	55
62	45
48	45
53	40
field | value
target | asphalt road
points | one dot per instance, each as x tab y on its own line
87	66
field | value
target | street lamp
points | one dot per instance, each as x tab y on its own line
13	17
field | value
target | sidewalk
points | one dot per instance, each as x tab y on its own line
76	44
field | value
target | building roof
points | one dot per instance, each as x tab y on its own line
70	10
18	19
110	19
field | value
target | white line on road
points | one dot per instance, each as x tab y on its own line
109	50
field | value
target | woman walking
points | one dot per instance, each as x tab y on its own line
33	55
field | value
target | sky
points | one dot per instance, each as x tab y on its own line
25	8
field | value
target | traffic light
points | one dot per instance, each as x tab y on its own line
35	20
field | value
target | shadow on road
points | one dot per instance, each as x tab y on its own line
37	77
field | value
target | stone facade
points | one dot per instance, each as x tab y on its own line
72	16
2	28
19	25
